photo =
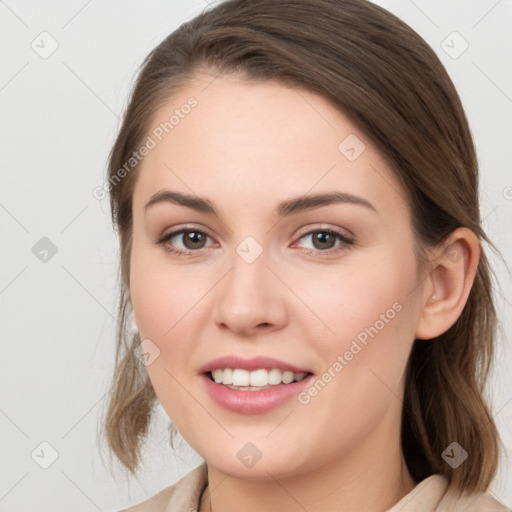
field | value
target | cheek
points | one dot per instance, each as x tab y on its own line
350	297
160	293
362	312
161	300
167	302
364	358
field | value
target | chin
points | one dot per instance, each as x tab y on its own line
250	462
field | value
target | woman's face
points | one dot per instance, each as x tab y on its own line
327	287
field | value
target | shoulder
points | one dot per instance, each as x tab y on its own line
430	496
479	502
183	495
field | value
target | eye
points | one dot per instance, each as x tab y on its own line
324	241
191	239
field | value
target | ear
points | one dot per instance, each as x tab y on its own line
447	287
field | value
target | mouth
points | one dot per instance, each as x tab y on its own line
256	380
254	392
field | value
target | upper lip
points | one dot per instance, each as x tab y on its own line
254	363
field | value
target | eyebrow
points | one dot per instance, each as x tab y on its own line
285	208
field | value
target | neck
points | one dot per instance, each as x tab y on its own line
366	481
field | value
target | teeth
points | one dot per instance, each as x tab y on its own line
256	378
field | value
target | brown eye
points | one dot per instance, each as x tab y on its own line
324	241
193	239
184	242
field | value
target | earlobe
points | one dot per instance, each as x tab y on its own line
133	324
449	283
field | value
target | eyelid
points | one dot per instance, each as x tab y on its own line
175	230
325	227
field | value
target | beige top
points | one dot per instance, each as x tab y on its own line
185	496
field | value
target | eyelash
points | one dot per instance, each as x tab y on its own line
346	242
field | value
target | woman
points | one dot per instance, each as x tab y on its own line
296	192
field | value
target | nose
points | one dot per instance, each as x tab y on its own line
250	299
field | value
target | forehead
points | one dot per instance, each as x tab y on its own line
253	142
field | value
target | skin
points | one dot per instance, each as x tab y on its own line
246	147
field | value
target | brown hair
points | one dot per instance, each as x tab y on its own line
385	77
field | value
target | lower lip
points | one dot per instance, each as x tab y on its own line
253	402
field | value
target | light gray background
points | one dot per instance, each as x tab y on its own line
59	116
